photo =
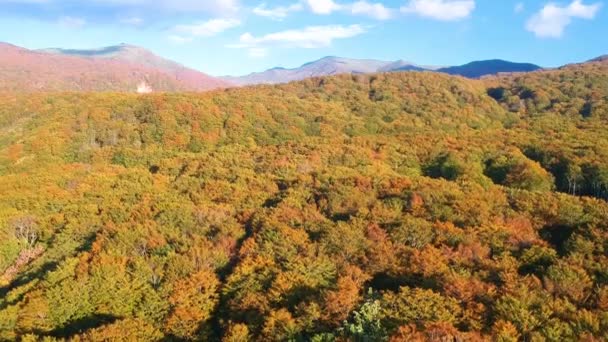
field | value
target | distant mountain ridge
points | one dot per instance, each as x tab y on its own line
489	67
129	68
326	66
116	68
337	65
603	58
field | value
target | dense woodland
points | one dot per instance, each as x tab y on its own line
390	207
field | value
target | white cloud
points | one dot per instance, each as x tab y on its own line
208	28
277	13
445	10
519	7
362	7
179	5
177	39
71	22
323	6
375	10
215	6
552	19
310	37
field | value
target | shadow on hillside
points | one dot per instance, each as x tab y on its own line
388	282
24	279
40	272
557	236
80	326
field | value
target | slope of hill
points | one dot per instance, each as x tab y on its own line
479	69
396	206
122	68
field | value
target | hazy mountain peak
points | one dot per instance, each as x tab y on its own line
602	58
328	65
329	58
402	65
140	56
324	60
119	67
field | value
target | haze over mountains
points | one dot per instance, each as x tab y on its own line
131	68
338	65
323	67
116	68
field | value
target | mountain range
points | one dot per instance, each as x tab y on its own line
323	67
131	68
337	65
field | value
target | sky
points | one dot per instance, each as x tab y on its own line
236	37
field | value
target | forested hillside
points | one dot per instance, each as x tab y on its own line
403	207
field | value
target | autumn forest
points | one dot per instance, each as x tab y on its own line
409	206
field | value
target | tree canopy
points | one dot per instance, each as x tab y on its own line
404	206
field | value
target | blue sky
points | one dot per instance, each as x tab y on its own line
234	37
